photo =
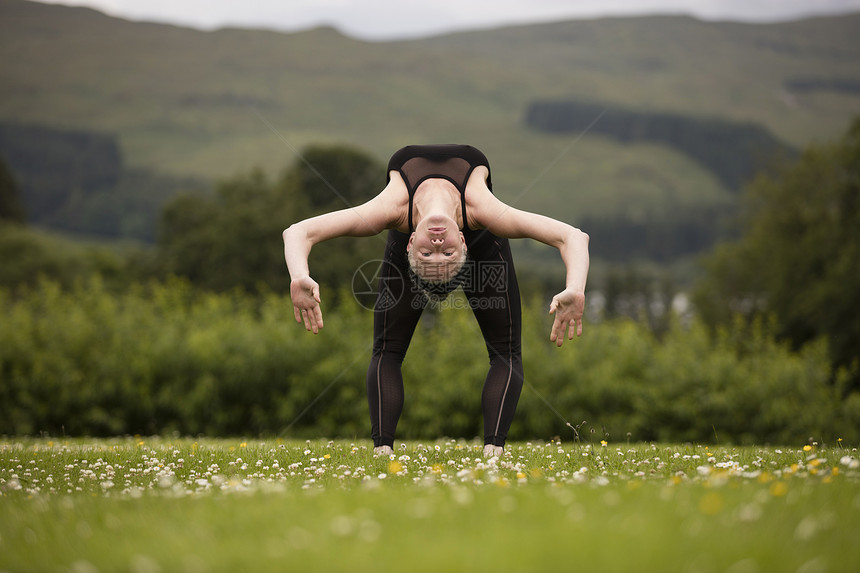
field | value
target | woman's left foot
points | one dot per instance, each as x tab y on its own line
491	451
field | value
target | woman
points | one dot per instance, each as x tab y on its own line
445	229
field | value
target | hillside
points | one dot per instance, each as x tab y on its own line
185	102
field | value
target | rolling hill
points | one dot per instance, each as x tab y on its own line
189	103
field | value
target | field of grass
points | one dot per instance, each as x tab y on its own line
159	504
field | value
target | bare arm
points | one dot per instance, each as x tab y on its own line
505	221
364	220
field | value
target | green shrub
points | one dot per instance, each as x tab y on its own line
165	357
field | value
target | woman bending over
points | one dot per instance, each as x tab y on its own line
445	229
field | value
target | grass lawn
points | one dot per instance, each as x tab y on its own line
158	504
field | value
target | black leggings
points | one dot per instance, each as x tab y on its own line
493	294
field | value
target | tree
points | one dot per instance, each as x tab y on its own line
233	238
799	254
228	240
329	178
334	177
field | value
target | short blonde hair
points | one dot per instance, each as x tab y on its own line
436	273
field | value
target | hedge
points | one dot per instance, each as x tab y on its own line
165	358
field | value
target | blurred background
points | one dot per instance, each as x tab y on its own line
151	154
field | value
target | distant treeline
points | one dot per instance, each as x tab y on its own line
837	85
662	238
76	181
733	152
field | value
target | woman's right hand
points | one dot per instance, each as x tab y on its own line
305	294
568	307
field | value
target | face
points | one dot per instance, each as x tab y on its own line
436	245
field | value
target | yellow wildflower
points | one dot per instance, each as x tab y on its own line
779	489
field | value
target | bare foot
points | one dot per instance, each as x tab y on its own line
491	451
382	451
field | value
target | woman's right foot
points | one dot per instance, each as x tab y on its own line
382	451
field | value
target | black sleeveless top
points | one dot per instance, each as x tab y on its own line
415	163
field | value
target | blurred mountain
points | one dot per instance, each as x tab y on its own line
207	104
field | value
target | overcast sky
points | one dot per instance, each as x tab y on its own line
391	19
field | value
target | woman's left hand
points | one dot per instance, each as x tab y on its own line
305	294
567	306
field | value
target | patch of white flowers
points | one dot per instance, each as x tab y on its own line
134	468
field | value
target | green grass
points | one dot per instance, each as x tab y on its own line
156	504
